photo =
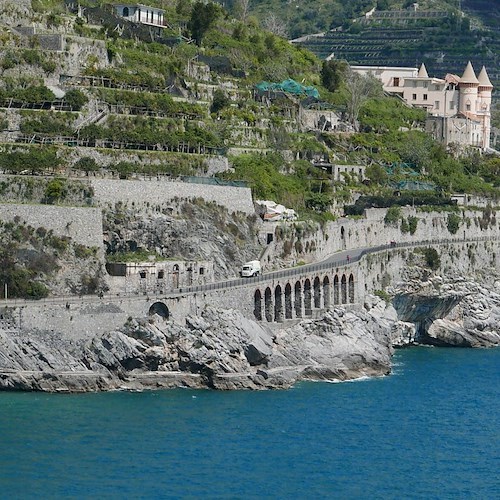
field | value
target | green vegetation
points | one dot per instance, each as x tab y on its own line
137	256
453	223
235	54
431	257
383	295
409	225
392	216
297	184
35	161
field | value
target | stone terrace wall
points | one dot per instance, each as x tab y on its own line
83	225
149	194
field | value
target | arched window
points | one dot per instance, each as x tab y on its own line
125	12
351	289
343	289
317	293
336	290
326	292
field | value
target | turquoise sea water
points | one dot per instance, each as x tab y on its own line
431	430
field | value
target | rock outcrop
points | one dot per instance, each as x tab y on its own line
453	311
220	349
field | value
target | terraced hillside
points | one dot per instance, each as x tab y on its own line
443	43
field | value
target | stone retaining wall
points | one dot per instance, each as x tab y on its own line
83	225
148	194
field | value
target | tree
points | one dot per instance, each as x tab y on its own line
275	25
219	102
76	99
203	17
376	174
332	74
359	88
242	8
55	190
86	164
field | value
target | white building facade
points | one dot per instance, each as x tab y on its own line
138	13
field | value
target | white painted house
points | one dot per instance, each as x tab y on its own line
138	13
392	77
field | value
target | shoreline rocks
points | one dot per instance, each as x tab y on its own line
223	350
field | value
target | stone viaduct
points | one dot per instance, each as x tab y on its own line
274	298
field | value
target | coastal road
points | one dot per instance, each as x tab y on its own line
338	259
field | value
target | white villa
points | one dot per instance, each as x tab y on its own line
392	78
138	13
459	108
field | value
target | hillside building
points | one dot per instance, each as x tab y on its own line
459	108
143	14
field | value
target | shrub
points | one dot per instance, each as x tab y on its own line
453	223
392	216
76	99
55	191
412	224
219	102
431	256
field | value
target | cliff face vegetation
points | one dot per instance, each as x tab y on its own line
36	262
193	231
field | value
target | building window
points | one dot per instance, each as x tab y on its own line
436	104
396	81
142	274
426	84
414	84
202	271
414	97
467	106
125	12
161	275
452	104
425	97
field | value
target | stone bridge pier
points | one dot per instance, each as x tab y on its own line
300	297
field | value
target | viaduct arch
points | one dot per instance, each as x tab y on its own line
299	297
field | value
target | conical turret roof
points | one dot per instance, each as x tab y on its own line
483	78
469	76
422	72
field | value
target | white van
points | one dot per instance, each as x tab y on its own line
250	269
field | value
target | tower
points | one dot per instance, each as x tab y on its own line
468	88
484	105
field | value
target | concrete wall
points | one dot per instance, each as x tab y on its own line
146	194
83	225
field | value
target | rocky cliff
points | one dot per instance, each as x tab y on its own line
451	311
219	349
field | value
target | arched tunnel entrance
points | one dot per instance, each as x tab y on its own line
159	308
